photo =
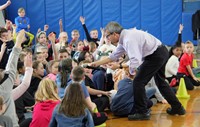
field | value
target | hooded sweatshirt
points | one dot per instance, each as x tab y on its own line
7	86
42	113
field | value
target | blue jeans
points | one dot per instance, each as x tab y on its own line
150	92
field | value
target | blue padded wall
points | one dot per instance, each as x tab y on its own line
170	20
187	32
151	17
159	17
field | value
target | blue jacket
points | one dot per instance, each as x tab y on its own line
60	120
123	102
22	23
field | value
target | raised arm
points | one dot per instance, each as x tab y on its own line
82	19
61	25
3	48
52	38
179	41
11	66
46	27
5	5
19	91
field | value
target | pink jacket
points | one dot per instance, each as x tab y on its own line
42	113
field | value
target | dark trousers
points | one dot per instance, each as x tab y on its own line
189	81
153	65
101	102
26	122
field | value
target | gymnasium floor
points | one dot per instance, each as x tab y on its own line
159	117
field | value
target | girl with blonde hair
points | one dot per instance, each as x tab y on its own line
46	98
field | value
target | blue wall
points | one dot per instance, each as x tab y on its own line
187	32
159	17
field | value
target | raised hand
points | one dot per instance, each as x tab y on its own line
8	24
8	2
102	32
60	22
46	27
52	37
28	61
181	27
82	19
39	30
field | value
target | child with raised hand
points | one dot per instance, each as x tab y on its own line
179	41
46	98
93	36
7	79
18	91
22	22
20	94
185	67
63	38
72	111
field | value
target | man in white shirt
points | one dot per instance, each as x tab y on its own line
148	57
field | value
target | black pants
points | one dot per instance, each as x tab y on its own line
26	122
189	81
101	102
153	65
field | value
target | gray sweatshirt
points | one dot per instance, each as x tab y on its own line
7	86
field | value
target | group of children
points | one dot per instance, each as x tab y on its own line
57	85
180	64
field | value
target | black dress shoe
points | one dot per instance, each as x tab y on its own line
139	116
180	111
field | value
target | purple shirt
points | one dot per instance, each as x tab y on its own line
136	44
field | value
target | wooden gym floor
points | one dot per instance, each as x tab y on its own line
159	117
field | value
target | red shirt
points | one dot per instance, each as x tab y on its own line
42	113
186	60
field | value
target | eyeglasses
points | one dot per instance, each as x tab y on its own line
107	36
